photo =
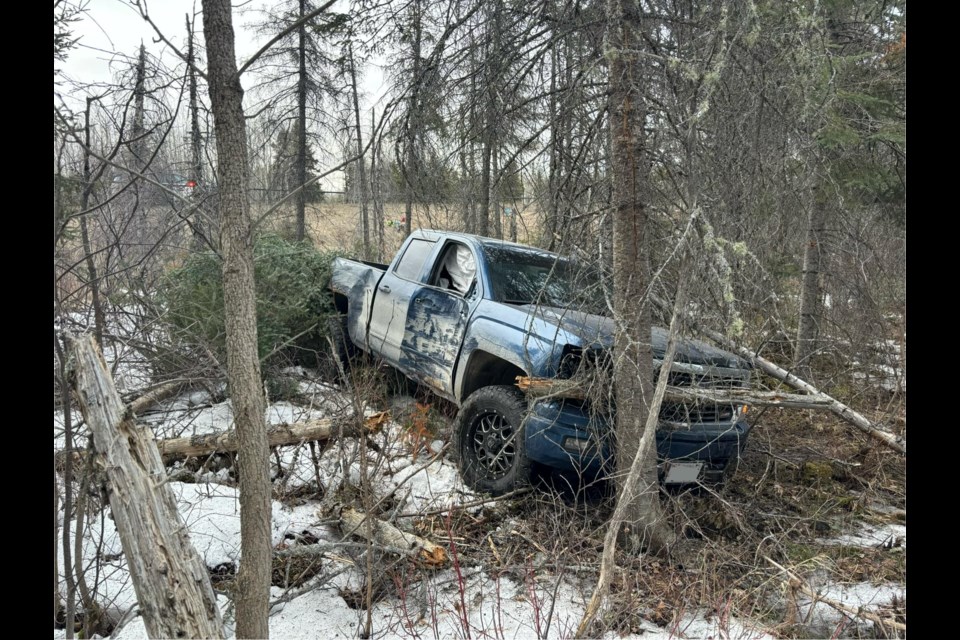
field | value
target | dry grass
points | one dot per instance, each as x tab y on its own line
336	225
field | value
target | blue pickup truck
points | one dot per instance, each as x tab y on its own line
466	315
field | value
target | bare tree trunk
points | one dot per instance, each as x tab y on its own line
376	195
413	120
92	277
361	162
636	474
56	544
496	208
170	579
551	222
196	149
66	400
138	145
302	126
633	365
483	213
810	294
239	297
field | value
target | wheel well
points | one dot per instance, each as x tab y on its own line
340	302
486	369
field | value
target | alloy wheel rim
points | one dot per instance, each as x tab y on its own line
492	440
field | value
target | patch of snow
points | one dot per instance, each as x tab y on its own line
708	625
287	413
825	621
212	514
868	535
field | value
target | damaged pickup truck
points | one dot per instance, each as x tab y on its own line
466	315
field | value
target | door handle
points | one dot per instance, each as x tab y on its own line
385	288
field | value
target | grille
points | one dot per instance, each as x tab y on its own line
694	413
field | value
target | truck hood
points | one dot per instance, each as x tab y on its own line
592	330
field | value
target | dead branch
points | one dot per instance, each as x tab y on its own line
835	406
797	583
577	389
226	441
385	534
155	395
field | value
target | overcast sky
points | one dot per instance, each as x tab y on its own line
110	33
112	27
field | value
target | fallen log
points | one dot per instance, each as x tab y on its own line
577	389
835	406
226	441
171	582
384	534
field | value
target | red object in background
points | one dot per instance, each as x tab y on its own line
403	218
191	183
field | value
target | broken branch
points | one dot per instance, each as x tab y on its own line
386	535
577	389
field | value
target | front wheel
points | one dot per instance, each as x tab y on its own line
489	440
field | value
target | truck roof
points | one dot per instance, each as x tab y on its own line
436	234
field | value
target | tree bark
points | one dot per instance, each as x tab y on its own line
68	466
633	365
239	297
226	441
172	585
655	531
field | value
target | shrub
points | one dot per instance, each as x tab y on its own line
293	302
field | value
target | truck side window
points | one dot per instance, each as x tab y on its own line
411	264
457	269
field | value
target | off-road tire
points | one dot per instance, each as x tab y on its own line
488	440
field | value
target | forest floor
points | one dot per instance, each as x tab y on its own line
811	495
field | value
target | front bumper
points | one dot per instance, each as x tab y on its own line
567	436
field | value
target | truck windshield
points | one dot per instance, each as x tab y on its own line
525	276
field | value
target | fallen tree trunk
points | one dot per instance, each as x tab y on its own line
835	406
226	441
577	389
384	534
170	579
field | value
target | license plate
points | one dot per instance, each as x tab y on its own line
683	472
